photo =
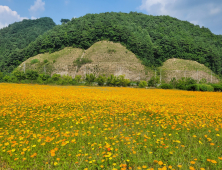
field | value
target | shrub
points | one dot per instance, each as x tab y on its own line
44	77
183	83
81	61
166	86
217	87
66	80
143	84
32	75
101	80
46	61
173	82
154	81
90	78
19	75
1	76
110	51
34	61
77	78
121	81
203	81
206	87
194	87
111	80
7	78
56	77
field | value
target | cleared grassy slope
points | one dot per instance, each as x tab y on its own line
113	58
107	58
179	68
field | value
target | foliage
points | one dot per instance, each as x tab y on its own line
206	87
117	81
166	86
143	84
66	79
110	51
46	61
56	77
183	83
78	78
16	37
34	61
203	81
32	75
19	75
173	82
217	87
79	62
154	81
101	80
90	78
64	20
154	39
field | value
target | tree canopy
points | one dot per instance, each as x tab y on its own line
19	35
154	39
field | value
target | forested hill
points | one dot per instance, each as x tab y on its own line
154	39
19	35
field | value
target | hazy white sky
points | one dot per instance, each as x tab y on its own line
207	13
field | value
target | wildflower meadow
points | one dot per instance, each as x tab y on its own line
110	128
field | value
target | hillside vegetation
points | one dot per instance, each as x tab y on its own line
153	39
17	36
106	58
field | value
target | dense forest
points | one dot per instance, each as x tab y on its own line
154	39
19	35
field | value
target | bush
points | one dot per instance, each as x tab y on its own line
110	51
32	75
1	75
101	80
194	87
34	61
19	75
203	81
111	80
183	83
200	87
173	82
143	84
56	77
66	80
217	87
44	77
153	82
77	78
166	86
206	87
81	61
90	78
121	81
46	61
7	78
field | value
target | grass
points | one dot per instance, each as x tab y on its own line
53	127
186	68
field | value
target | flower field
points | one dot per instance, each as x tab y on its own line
58	127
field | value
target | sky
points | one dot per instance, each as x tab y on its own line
207	13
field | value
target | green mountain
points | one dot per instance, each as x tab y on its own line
19	35
154	39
